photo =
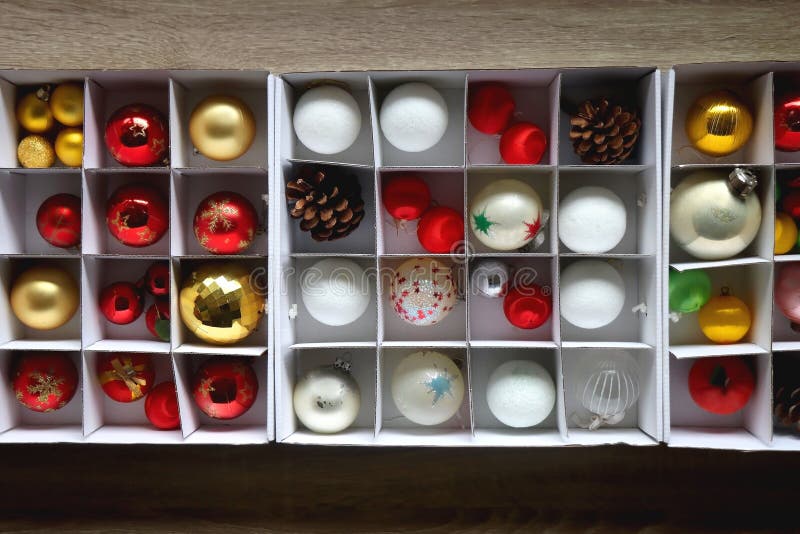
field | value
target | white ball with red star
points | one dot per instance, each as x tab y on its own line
423	291
506	214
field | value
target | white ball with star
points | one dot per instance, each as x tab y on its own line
427	387
506	214
423	291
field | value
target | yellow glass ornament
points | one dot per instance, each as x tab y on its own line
219	304
66	103
718	123
33	113
44	298
35	152
222	127
69	146
725	318
785	233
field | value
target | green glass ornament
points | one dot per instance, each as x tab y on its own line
688	290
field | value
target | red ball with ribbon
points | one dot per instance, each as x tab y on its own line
137	215
125	377
527	306
121	302
523	144
225	223
490	108
44	382
58	220
787	123
161	407
440	230
156	279
136	136
225	387
157	319
406	197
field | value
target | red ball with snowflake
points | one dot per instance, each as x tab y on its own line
136	136
225	223
225	387
423	291
44	382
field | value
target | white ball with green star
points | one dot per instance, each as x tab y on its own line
506	214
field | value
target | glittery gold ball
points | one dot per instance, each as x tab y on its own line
222	127
44	298
34	114
66	103
718	123
35	152
69	146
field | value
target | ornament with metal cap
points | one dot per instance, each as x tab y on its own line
607	387
327	399
507	214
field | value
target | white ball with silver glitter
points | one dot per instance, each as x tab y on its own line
327	119
520	393
592	294
335	291
414	117
490	278
591	220
427	388
327	399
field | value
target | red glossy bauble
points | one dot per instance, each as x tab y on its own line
406	197
440	230
156	279
121	302
157	319
787	124
721	385
125	377
225	387
791	203
523	144
136	135
137	215
44	382
490	108
59	220
225	223
161	406
527	306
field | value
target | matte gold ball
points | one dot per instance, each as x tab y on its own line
35	152
34	114
69	146
222	127
44	298
719	123
66	103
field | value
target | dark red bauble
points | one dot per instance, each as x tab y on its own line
490	108
225	387
59	220
440	230
787	124
44	381
136	135
121	302
161	406
523	144
791	203
157	319
125	377
527	306
406	197
225	223
137	215
156	279
721	385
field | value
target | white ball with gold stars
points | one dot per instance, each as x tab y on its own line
506	214
427	387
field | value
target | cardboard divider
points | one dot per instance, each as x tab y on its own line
8	125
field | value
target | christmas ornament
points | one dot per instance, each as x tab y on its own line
125	377
688	290
157	319
787	291
69	146
490	108
161	406
506	214
607	387
66	103
156	279
35	152
440	230
592	294
787	123
603	132
725	318
225	387
785	233
45	381
328	206
786	397
523	144
714	216
791	203
58	220
413	117
423	291
136	136
427	388
222	127
225	223
33	112
528	306
137	215
121	302
335	291
490	279
327	399
327	119
591	220
721	385
718	123
44	297
406	197
520	393
219	304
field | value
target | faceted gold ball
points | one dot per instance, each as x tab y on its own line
44	298
66	103
69	146
219	303
35	152
34	114
719	123
222	127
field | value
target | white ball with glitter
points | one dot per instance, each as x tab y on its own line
520	393
335	291
413	117
423	291
591	220
592	294
427	388
327	119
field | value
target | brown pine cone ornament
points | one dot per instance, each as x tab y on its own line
786	401
604	133
328	206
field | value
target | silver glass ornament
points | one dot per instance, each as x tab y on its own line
490	278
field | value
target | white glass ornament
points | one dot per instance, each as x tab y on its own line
327	399
607	387
413	117
423	291
592	294
490	278
591	220
507	214
335	291
520	393
427	388
327	119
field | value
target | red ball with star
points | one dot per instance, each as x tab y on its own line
157	319
161	406
121	302
225	387
58	220
136	136
156	279
440	230
137	215
406	197
527	306
787	123
523	144
490	108
44	382
125	377
225	223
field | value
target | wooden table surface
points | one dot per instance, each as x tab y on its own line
280	488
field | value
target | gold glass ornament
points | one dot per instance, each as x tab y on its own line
222	127
69	146
718	123
785	233
35	152
724	319
33	112
219	304
44	298
66	103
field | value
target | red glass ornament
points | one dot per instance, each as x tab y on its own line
791	203
125	377
157	319
225	387
59	220
526	306
136	135
721	385
137	215
787	124
440	230
490	108
406	197
161	406
156	279
225	223
44	382
121	302
523	144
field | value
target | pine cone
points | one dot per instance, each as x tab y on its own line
602	133
330	207
786	401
